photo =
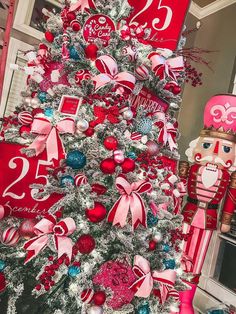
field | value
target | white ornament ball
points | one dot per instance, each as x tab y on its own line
10	236
28	100
131	52
128	115
119	156
25	118
142	73
82	125
157	237
95	310
174	308
35	102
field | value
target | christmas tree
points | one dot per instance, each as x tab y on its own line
98	115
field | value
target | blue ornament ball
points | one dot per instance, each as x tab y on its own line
42	96
2	265
166	248
144	126
74	53
76	159
67	179
73	271
169	263
48	112
151	219
132	155
143	309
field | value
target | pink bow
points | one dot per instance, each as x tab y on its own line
49	137
166	67
83	4
128	32
144	285
44	229
130	199
109	74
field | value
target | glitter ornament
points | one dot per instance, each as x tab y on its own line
142	73
49	36
143	309
151	219
131	52
108	166
2	265
25	118
87	295
82	125
2	282
74	53
85	244
96	214
42	96
81	76
10	236
166	248
128	115
80	179
26	228
73	271
76	159
119	156
144	126
169	263
128	165
132	155
99	298
95	310
65	180
152	148
49	112
110	143
91	52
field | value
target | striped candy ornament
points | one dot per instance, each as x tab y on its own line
25	118
119	156
136	136
142	73
10	236
80	179
87	295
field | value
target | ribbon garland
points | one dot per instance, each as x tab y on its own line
144	284
132	31
130	199
108	68
82	4
49	136
166	67
111	114
47	228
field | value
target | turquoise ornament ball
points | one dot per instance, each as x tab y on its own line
151	219
2	265
144	309
73	271
132	155
42	96
48	112
76	159
166	248
144	126
74	53
67	179
169	263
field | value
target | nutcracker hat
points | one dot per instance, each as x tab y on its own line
220	117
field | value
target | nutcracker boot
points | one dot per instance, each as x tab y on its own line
186	299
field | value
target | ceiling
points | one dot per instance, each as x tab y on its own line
203	3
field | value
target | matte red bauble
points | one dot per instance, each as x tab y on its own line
2	282
152	245
110	143
99	188
108	166
71	16
75	25
128	165
99	298
85	244
176	90
49	36
96	214
91	51
152	148
89	132
26	228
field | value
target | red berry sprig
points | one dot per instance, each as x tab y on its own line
192	75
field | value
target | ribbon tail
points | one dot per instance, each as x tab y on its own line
34	246
138	211
171	142
119	212
101	80
143	286
39	144
63	245
52	145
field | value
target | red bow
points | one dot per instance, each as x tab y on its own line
111	114
128	32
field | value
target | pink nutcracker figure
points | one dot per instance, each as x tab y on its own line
209	179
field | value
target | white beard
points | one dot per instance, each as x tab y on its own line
210	175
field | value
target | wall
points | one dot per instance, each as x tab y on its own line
217	33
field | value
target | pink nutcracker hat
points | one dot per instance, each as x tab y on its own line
220	117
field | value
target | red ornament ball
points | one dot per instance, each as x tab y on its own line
75	25
176	90
36	111
99	188
49	36
71	16
85	244
2	282
128	165
25	129
99	298
25	118
152	245
26	228
108	166
96	214
110	143
152	148
91	52
89	132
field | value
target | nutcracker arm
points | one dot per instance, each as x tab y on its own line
229	204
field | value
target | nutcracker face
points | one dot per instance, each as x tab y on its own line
214	151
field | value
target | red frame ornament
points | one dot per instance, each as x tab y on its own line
69	105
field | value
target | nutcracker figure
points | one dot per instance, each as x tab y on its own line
210	179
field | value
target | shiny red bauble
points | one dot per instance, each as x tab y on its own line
96	214
89	132
152	245
110	143
176	90
26	228
99	188
99	298
108	166
91	52
71	16
85	244
2	282
75	25
49	36
128	165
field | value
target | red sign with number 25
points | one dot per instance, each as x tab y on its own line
17	173
165	18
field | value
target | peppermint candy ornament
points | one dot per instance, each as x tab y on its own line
80	179
87	295
142	73
131	52
25	118
82	75
10	236
75	25
136	136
